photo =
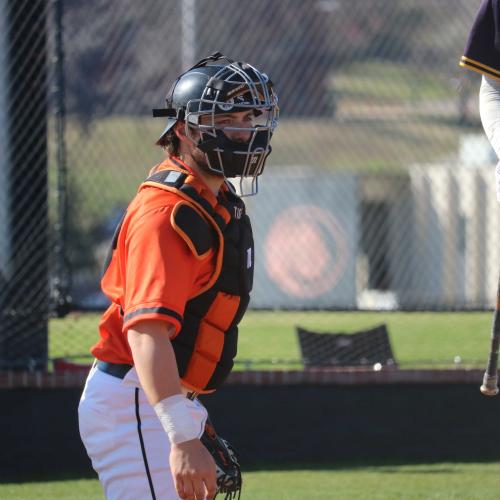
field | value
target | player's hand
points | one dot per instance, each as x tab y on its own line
193	470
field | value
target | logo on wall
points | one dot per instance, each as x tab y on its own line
306	251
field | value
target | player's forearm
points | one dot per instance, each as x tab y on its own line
154	360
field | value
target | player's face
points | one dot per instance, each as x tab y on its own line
236	126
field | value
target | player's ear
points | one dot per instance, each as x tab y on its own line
180	131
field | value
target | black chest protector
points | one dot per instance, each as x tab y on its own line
205	347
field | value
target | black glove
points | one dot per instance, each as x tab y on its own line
229	479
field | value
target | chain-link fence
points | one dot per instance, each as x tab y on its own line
379	193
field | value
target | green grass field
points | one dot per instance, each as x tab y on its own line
390	82
268	338
444	481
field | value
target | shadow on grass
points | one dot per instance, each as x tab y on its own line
379	467
41	477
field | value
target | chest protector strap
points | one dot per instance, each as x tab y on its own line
205	347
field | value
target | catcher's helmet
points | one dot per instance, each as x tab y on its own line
217	85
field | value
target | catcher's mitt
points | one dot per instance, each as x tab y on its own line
226	462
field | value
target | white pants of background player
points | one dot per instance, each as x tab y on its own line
124	439
489	107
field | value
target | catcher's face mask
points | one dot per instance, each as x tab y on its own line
230	113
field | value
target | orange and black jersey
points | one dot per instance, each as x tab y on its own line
180	256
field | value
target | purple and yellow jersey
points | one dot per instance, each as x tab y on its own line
482	51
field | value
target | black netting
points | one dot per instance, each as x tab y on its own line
379	193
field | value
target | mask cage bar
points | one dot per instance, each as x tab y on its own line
261	96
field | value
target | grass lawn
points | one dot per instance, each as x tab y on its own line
268	338
390	82
446	481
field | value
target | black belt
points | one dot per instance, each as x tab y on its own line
120	371
114	369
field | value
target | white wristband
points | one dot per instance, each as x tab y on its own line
181	418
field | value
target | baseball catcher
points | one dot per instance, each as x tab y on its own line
179	275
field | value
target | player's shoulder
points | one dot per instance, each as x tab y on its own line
152	204
150	199
172	216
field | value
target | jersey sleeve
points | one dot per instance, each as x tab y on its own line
160	268
482	50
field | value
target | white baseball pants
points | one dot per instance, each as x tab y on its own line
124	439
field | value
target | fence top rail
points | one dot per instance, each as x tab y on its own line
346	376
